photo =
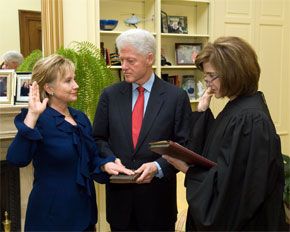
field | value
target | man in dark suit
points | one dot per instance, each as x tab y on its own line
149	205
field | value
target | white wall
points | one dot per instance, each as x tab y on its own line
266	26
78	21
9	23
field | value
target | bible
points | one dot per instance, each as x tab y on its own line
124	179
178	151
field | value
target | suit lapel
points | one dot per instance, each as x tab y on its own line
125	108
154	106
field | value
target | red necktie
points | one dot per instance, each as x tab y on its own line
137	115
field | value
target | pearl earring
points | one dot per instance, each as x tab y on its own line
52	94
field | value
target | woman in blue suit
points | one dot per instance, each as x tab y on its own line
57	139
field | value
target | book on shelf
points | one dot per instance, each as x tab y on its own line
124	179
174	79
108	58
175	150
105	53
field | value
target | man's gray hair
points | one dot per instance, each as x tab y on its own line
13	56
143	41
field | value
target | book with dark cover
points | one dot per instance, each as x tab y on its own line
124	179
178	151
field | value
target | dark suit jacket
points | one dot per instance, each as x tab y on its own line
166	117
63	195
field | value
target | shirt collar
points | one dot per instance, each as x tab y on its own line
147	85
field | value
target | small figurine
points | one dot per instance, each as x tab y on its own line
133	20
6	223
164	61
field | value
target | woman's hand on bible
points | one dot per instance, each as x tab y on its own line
114	168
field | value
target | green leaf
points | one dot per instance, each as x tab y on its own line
92	73
29	61
286	196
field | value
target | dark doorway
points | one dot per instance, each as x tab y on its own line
29	31
10	195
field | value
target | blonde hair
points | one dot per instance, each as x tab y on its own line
47	70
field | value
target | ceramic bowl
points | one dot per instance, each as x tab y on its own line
108	24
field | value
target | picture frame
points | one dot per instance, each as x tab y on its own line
186	53
164	22
189	85
177	24
6	86
173	80
23	80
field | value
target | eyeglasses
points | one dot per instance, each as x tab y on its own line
212	76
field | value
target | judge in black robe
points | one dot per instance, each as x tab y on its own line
244	191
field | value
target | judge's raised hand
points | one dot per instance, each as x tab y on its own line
35	106
204	101
114	168
178	164
148	171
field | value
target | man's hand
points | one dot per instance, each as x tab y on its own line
178	164
148	171
114	168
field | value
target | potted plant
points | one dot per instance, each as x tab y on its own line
286	196
92	73
29	61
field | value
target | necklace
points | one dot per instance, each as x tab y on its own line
67	115
66	112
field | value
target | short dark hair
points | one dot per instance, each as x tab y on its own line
236	62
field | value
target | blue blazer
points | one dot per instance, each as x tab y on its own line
64	159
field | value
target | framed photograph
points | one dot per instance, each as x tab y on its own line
177	24
23	80
187	52
164	22
189	85
173	80
6	86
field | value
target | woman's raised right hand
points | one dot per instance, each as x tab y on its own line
35	106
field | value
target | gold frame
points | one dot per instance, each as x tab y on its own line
9	74
20	77
185	53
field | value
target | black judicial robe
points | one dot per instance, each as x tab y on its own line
245	190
